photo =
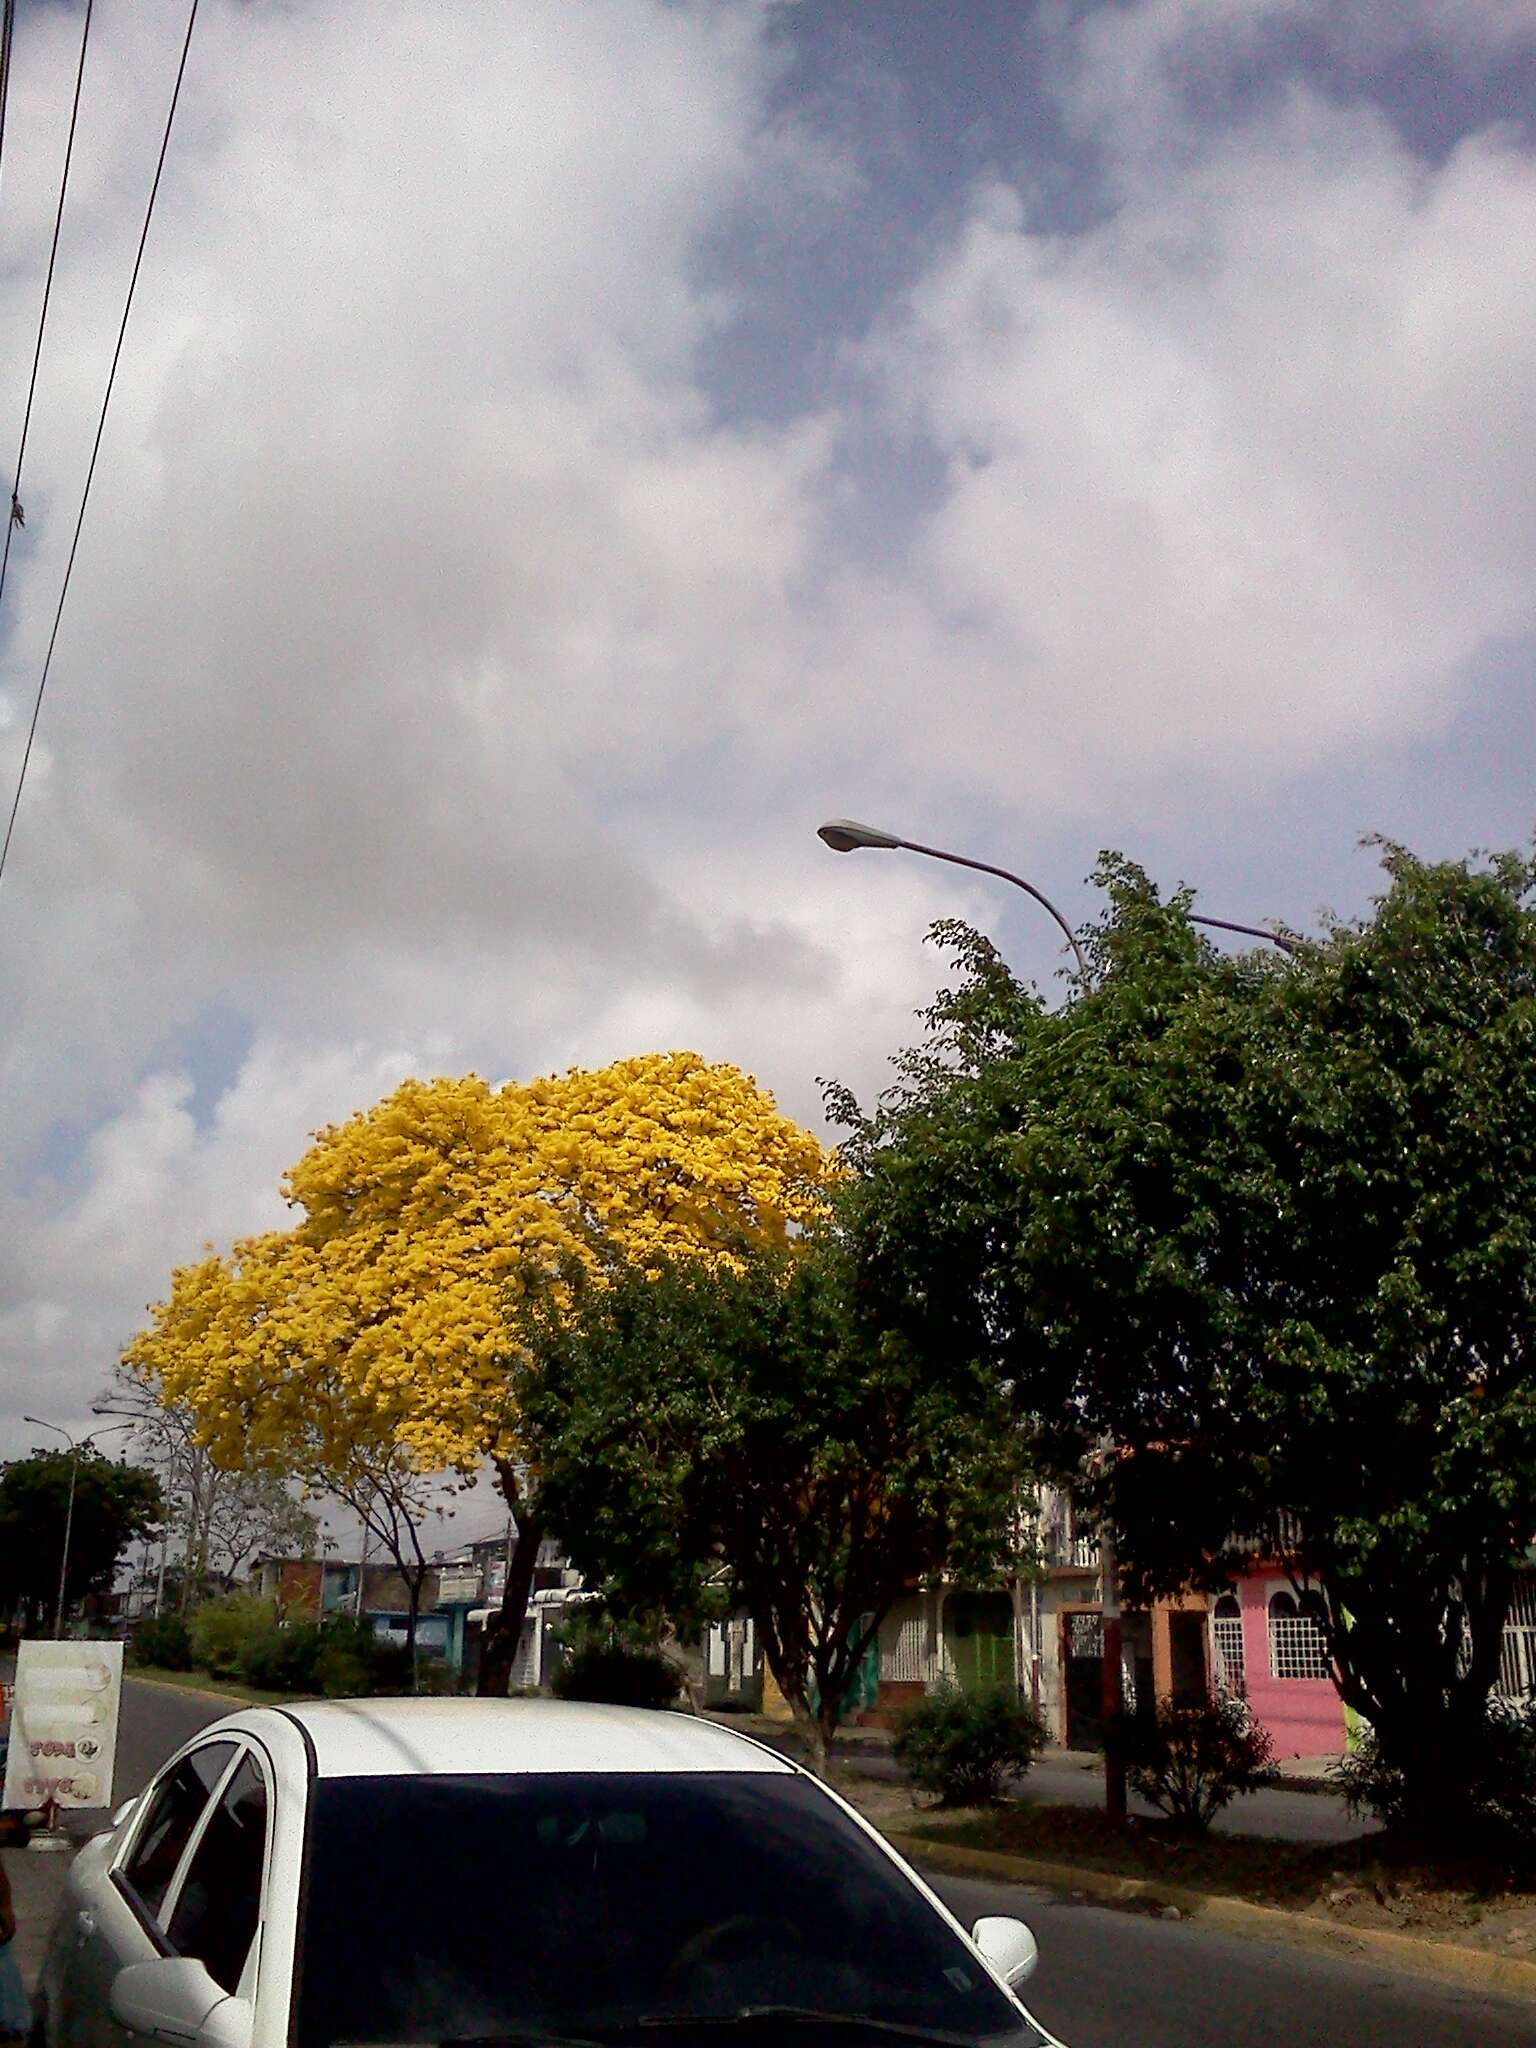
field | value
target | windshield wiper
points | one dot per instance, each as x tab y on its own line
806	2015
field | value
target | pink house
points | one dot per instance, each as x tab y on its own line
1268	1641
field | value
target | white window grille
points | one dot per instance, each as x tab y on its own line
738	1636
1297	1645
1227	1637
1517	1662
1085	1635
903	1658
525	1672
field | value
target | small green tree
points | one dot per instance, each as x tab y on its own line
748	1424
114	1505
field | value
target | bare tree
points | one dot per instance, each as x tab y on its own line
392	1500
217	1518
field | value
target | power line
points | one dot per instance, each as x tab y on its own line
106	401
16	519
6	28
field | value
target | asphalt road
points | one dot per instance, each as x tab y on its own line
1111	1979
1106	1979
155	1720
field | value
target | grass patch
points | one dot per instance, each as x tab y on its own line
1369	1883
199	1681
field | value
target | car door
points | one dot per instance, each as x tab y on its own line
213	1912
117	1895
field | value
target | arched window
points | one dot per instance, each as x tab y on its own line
1298	1645
1227	1642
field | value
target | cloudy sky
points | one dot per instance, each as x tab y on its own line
566	450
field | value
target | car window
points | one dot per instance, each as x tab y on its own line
595	1905
219	1903
174	1809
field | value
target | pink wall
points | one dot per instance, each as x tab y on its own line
1304	1716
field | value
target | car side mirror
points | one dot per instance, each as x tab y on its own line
174	1999
1008	1946
123	1812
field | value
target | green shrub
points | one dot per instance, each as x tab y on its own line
163	1640
961	1745
389	1666
1191	1761
436	1679
221	1631
602	1659
1498	1781
283	1658
342	1673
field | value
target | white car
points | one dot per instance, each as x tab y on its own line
507	1874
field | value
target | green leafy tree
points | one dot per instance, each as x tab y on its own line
114	1505
747	1426
1270	1220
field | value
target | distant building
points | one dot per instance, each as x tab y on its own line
312	1588
472	1582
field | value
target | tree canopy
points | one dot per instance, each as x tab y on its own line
1269	1221
374	1328
744	1423
114	1505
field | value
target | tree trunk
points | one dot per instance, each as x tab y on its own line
1398	1666
813	1735
412	1613
498	1652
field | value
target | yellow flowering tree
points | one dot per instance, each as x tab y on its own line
374	1331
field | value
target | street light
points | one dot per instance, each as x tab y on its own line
75	1448
845	835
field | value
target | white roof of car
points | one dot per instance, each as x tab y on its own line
424	1737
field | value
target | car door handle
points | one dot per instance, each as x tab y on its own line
85	1927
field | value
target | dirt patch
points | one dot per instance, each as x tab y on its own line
1366	1884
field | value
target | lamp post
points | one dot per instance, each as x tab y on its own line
75	1448
845	835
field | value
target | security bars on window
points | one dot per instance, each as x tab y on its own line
1296	1647
1227	1634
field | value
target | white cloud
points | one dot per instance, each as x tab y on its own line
1240	473
449	682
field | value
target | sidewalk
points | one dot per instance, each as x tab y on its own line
1305	1808
37	1886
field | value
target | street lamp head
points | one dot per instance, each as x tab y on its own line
844	836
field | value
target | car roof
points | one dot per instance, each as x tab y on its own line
431	1737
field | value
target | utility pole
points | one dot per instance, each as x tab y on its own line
1114	1683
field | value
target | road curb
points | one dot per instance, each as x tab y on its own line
231	1700
1234	1916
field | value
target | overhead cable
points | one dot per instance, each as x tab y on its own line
7	26
17	517
106	401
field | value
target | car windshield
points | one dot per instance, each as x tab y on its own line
651	1906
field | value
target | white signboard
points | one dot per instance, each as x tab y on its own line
63	1728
